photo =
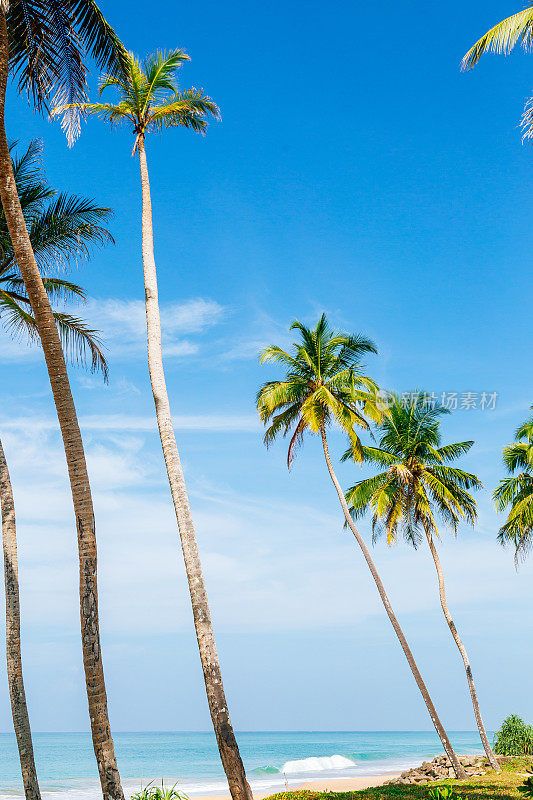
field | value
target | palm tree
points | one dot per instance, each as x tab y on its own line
417	484
60	227
516	491
324	384
148	99
45	44
502	38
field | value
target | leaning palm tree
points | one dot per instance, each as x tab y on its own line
149	100
516	492
417	484
323	385
60	227
45	44
502	38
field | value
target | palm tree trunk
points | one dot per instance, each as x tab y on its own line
477	713
77	469
457	766
19	709
227	744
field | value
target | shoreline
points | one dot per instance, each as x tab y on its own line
333	784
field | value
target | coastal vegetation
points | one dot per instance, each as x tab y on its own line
156	792
514	738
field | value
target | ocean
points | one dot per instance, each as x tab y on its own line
67	770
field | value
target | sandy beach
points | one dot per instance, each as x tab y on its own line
335	784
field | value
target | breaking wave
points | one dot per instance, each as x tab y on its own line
317	764
304	765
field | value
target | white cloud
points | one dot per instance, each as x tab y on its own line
123	324
180	349
123	422
266	330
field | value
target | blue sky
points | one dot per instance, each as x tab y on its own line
356	171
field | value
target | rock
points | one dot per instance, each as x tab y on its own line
441	769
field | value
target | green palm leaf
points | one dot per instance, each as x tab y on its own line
503	37
516	492
148	97
49	41
323	384
421	484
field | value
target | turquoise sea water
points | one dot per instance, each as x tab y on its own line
67	769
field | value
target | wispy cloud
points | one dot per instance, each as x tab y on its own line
122	324
124	422
265	330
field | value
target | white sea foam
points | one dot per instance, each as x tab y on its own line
317	764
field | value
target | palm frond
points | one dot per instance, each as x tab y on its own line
525	430
320	386
451	452
114	113
56	289
282	423
360	496
503	37
49	41
67	229
518	456
82	345
189	109
160	75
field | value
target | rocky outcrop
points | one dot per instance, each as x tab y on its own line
440	769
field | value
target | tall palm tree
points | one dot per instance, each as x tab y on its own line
45	43
149	100
502	38
418	483
516	492
323	385
60	227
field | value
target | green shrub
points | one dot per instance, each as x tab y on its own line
151	792
515	738
526	788
444	793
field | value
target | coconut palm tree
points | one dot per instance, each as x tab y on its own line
416	485
149	100
44	44
60	227
502	38
324	385
516	492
